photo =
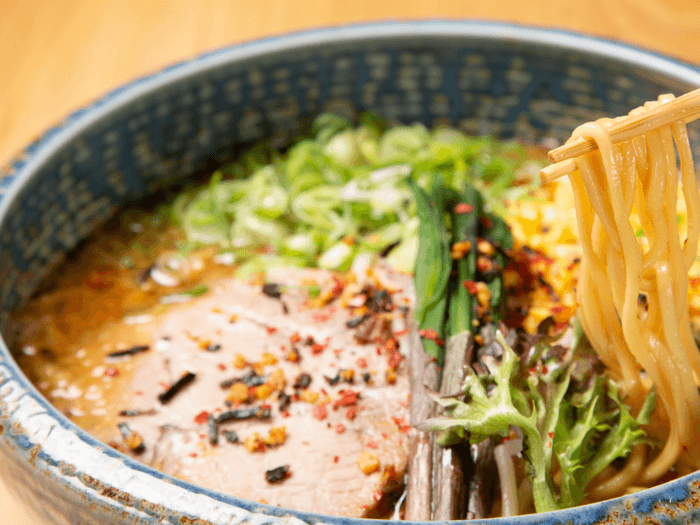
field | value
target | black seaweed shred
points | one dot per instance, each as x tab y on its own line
176	387
130	351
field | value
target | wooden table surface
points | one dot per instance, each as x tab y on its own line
58	56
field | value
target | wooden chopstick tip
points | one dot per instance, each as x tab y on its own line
558	169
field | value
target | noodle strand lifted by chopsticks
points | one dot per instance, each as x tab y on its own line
640	176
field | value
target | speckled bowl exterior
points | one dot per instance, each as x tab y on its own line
485	78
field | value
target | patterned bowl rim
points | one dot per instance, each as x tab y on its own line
27	164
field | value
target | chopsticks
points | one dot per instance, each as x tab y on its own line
684	108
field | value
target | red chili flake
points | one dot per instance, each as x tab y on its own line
317	348
339	428
431	335
545	369
295	397
284	413
295	338
320	412
323	317
463	208
138	393
163	384
470	286
350	413
336	459
201	417
557	308
372	444
338	351
484	265
111	371
401	333
193	454
401	424
511	435
377	495
559	327
551	435
323	391
271	330
337	287
486	222
384	436
394	359
221	367
539	257
379	350
347	398
362	362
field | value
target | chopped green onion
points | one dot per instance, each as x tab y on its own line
197	290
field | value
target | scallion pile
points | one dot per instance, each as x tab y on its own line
339	193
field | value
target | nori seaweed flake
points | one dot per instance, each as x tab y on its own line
277	475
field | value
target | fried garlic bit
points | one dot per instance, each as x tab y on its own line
368	462
460	249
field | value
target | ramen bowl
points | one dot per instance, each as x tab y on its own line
527	84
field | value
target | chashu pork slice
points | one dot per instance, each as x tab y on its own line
345	439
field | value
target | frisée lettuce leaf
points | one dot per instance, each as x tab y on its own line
584	429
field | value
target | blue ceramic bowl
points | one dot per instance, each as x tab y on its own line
485	78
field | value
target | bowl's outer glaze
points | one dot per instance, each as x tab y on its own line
485	78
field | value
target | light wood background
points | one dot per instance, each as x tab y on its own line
58	56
